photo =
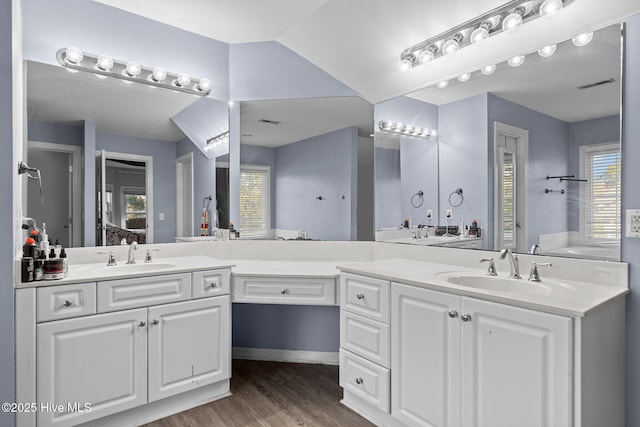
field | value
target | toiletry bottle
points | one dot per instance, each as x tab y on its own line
29	249
38	269
44	243
27	269
35	236
52	253
65	262
462	228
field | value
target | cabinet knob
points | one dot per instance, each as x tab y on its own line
359	380
214	285
67	303
360	296
142	323
155	321
283	291
466	317
453	314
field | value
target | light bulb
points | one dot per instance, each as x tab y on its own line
73	55
433	133
451	46
427	55
396	126
517	61
550	8
183	80
384	125
487	70
582	39
132	69
157	75
547	51
417	131
405	64
443	84
464	77
104	63
512	21
204	85
480	34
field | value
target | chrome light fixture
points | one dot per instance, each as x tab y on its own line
217	141
401	129
547	51
582	40
507	18
104	66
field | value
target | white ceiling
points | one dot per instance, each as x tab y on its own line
359	41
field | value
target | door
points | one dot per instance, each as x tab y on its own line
425	357
510	211
100	360
516	367
189	345
184	196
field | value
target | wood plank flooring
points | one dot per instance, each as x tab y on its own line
274	394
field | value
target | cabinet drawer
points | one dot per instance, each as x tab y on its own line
63	302
365	296
284	290
365	379
365	337
210	283
143	291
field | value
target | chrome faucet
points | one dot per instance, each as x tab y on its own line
514	263
131	259
535	249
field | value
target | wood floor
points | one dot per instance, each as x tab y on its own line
274	394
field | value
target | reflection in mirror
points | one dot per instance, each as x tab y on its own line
306	169
536	150
78	115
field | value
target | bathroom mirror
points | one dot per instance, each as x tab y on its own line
70	114
306	169
535	150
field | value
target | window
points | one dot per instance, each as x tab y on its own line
600	166
134	203
254	201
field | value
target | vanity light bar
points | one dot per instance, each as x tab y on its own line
217	141
507	17
398	128
104	66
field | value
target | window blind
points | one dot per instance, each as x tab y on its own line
254	202
602	192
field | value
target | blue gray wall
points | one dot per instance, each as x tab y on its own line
631	200
464	159
587	132
323	166
7	174
548	155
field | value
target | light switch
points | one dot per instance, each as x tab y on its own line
161	216
633	223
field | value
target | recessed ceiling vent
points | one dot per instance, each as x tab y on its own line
600	83
269	122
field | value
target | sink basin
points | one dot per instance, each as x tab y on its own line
129	268
495	283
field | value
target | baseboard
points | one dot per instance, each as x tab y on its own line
292	356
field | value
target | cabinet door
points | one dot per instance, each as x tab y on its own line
516	368
189	345
425	357
100	360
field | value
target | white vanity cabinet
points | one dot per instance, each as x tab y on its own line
459	361
138	344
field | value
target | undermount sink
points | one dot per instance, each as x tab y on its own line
132	268
495	283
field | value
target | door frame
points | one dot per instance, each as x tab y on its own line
183	211
76	184
522	174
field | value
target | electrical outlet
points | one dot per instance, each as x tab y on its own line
449	213
633	223
429	213
161	216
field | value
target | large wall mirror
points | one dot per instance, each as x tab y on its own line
306	169
531	153
151	179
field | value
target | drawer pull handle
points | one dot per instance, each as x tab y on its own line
466	318
453	314
155	321
359	381
67	303
214	285
360	296
283	291
142	323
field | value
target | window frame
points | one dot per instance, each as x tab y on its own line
585	151
266	209
132	190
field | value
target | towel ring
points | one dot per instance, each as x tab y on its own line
456	198
417	199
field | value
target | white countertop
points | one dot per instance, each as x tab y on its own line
94	272
564	297
285	268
